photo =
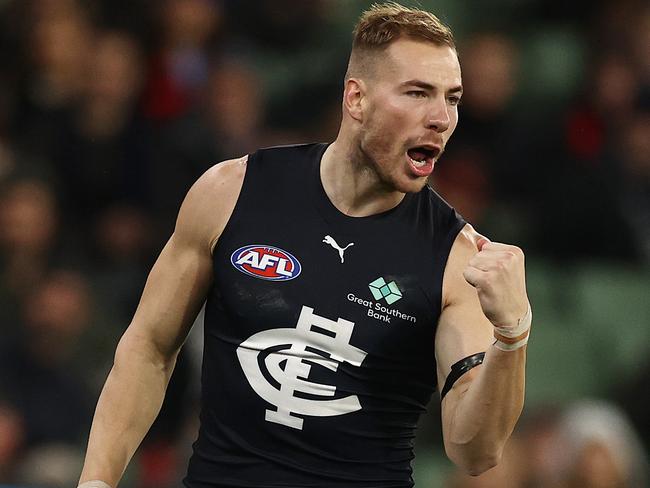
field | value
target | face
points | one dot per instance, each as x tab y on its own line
407	111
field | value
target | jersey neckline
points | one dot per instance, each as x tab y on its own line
329	210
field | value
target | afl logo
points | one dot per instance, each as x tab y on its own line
266	262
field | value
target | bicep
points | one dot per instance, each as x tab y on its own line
179	280
463	329
173	295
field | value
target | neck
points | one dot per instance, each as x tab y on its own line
352	183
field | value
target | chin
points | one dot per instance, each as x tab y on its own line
409	185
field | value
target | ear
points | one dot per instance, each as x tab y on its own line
353	98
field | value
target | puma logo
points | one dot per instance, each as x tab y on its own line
330	240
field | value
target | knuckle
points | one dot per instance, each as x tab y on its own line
517	251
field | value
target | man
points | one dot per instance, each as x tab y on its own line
341	291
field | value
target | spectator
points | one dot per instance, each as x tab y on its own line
596	447
28	241
102	154
57	51
229	121
179	67
46	368
11	440
50	466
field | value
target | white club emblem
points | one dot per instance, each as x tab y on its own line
330	240
315	340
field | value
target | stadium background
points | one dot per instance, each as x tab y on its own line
110	109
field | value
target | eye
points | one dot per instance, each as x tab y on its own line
417	93
454	100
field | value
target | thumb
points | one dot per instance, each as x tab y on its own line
482	241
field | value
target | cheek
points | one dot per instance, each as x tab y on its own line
389	128
388	110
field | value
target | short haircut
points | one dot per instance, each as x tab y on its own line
384	23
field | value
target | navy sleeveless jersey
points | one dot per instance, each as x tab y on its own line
319	333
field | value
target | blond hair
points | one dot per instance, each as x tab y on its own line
384	23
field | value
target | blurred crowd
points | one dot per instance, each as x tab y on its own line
109	110
589	444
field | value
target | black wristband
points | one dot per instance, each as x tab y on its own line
459	369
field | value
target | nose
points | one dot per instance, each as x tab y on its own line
438	118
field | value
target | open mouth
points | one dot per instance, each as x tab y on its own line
422	158
422	154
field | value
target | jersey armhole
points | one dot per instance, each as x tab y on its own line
445	251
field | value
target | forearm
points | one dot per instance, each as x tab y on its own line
127	406
484	411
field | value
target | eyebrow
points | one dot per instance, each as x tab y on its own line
427	86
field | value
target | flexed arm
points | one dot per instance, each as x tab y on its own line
146	354
486	309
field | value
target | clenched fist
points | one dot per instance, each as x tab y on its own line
497	272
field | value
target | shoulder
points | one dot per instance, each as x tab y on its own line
466	243
219	177
462	250
444	216
210	201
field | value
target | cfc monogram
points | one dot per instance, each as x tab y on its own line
315	340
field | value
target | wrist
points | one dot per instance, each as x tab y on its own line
513	338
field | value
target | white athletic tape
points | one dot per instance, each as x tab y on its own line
520	333
94	484
523	324
511	347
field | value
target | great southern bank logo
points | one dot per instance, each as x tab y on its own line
388	291
266	262
383	293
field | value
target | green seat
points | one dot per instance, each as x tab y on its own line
560	364
614	307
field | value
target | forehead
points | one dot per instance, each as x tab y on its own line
408	59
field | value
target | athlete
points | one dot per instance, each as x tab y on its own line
341	292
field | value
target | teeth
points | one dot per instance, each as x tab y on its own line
419	164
